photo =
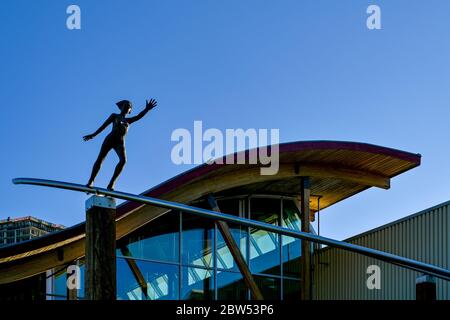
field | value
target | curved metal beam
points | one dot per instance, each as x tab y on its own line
380	255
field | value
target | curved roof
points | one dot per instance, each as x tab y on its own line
337	169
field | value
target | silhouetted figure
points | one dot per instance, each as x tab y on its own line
116	138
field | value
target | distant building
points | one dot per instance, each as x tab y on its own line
25	228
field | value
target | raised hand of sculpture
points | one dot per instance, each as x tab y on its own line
116	138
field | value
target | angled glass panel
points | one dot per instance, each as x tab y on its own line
197	284
60	284
157	240
231	286
161	280
265	246
197	241
224	258
291	246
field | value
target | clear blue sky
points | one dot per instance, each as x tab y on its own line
310	68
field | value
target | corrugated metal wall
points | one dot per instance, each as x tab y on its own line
423	236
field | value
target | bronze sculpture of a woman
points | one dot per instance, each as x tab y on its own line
116	138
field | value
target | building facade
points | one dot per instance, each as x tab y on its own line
21	229
184	257
424	236
164	254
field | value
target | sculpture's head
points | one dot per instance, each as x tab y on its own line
125	106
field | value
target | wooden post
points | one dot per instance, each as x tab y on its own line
305	193
426	288
100	264
236	253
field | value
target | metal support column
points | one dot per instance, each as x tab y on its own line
305	193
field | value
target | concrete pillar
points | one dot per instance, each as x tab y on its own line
100	262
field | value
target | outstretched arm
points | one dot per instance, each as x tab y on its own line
102	127
149	105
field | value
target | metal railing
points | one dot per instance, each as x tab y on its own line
377	254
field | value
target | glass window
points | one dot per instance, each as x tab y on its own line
82	271
197	241
55	297
231	286
229	206
291	290
157	240
198	284
60	284
265	246
159	281
291	246
224	258
269	287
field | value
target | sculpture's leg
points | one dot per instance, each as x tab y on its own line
106	147
120	150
